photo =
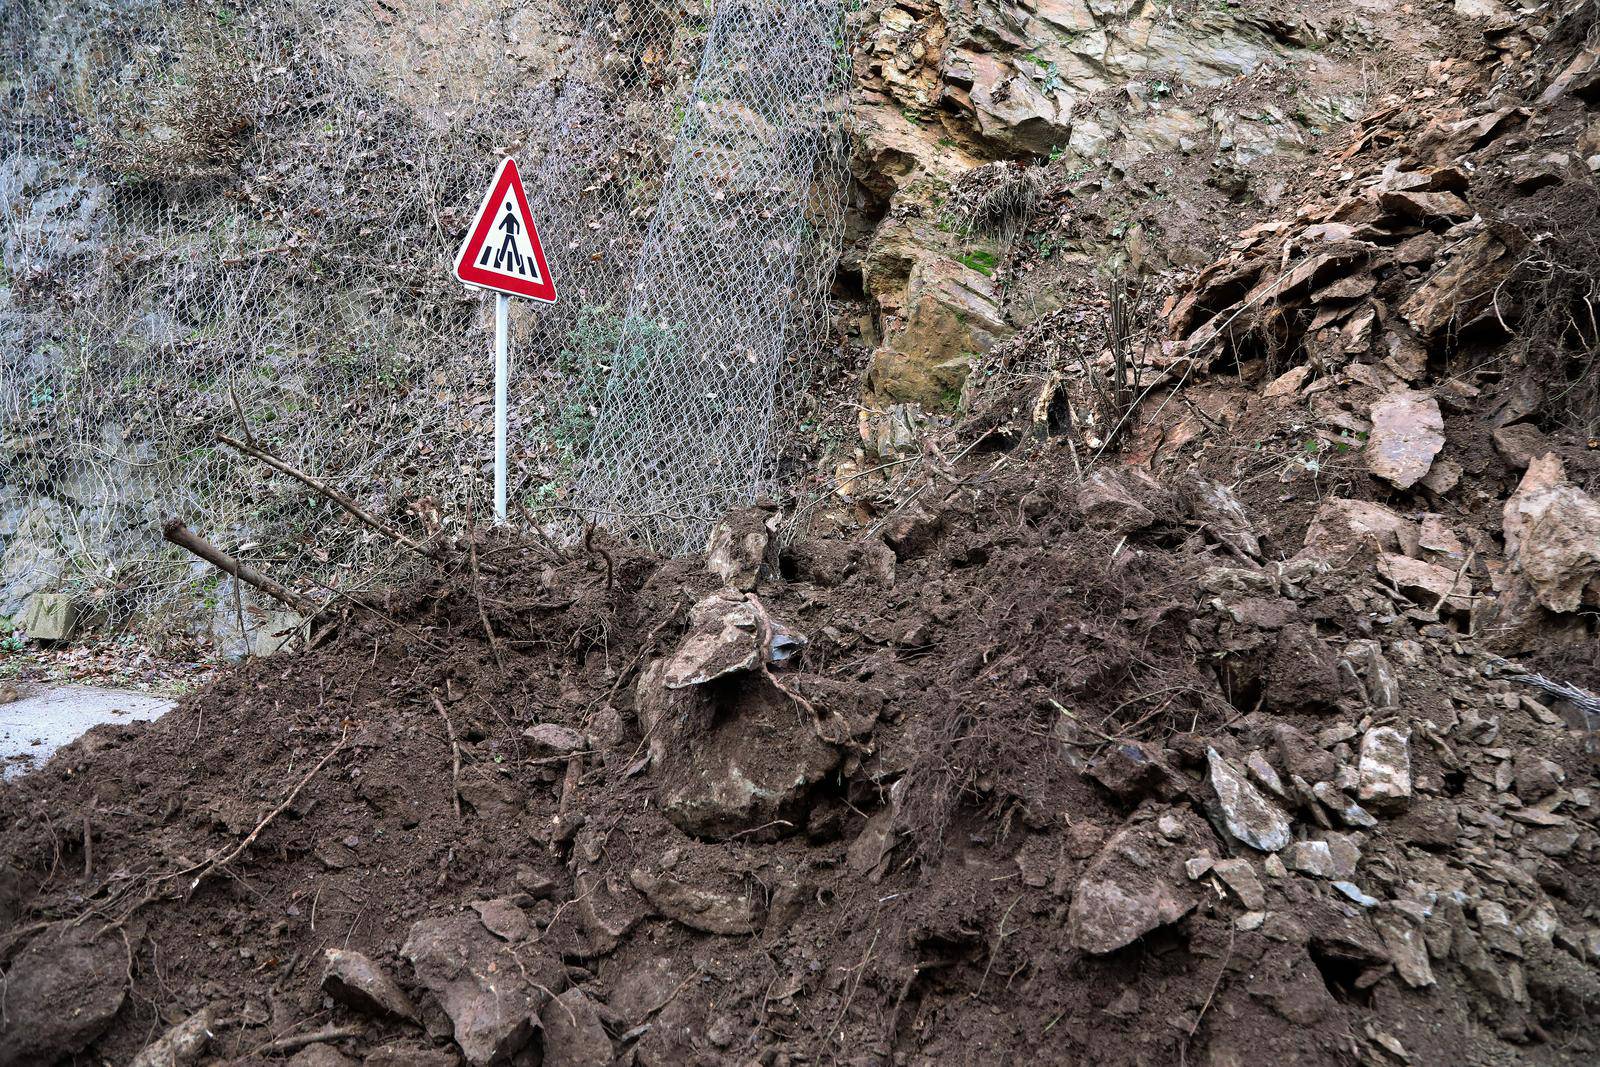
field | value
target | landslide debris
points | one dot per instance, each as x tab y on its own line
1043	794
1024	756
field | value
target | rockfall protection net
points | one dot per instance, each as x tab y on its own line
728	285
224	215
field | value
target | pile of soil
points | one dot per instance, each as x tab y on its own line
992	749
1017	756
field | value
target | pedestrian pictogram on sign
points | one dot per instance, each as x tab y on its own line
502	250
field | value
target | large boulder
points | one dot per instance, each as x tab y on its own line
733	750
951	314
60	993
1020	108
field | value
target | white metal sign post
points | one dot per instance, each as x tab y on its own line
502	374
502	253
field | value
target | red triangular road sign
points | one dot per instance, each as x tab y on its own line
502	250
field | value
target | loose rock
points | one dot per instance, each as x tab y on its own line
184	1044
492	991
1407	432
1249	815
698	908
1552	533
1385	768
1133	886
573	1033
356	982
56	969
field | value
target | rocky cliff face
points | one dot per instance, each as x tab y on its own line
1009	152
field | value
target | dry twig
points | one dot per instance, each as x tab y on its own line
455	753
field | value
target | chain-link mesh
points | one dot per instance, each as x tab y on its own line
222	215
730	282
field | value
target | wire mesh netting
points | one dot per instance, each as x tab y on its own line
219	218
729	280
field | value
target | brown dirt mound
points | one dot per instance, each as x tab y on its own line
976	817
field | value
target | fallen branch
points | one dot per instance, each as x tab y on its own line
179	534
477	591
455	753
295	1042
317	485
590	546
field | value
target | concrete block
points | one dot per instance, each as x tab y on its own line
269	634
50	617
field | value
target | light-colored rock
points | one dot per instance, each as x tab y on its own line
1427	584
1249	815
353	980
1020	109
1375	671
607	907
1520	444
1135	884
274	632
951	315
182	1045
407	1055
1407	432
696	907
1288	383
320	1055
492	991
722	639
1402	936
1443	476
1552	531
1436	536
1481	9
1239	876
736	552
1266	775
1311	857
740	754
1425	207
1353	892
548	738
1385	768
1344	525
869	852
1350	813
50	617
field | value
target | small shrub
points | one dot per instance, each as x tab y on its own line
191	121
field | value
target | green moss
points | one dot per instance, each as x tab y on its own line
980	260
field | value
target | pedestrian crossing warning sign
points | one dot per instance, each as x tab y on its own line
502	250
